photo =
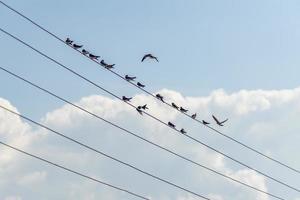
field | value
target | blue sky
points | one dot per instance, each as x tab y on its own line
202	46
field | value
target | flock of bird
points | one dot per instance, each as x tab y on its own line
140	109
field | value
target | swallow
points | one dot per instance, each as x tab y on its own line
84	52
129	78
218	122
140	85
69	41
107	66
194	116
149	56
76	46
160	97
126	98
174	106
182	131
171	124
205	122
182	109
139	110
94	56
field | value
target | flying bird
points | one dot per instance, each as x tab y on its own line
183	110
218	122
76	46
126	98
129	78
140	85
194	116
84	52
182	131
139	110
175	106
149	56
171	124
160	97
69	41
94	56
205	122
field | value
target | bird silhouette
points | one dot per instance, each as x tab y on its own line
140	85
107	66
126	98
194	116
110	66
149	56
171	124
182	131
160	97
205	122
129	78
218	122
139	110
183	110
76	46
84	52
69	41
175	106
94	56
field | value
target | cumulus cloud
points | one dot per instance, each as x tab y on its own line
251	105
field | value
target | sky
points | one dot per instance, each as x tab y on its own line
235	59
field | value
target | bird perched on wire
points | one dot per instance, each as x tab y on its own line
150	56
107	66
160	97
171	124
182	131
218	122
183	110
84	52
126	98
69	41
194	116
76	46
140	85
139	110
92	56
130	78
175	106
205	122
145	107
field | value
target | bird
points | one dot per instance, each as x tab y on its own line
102	62
69	41
160	97
149	56
139	110
174	106
218	122
110	66
107	66
171	124
205	122
145	107
76	46
182	109
84	52
140	85
182	131
126	98
194	116
93	56
129	78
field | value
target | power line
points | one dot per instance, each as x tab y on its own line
149	93
75	172
153	117
119	127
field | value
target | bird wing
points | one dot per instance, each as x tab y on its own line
224	121
218	122
145	56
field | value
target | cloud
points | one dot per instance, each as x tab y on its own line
244	108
